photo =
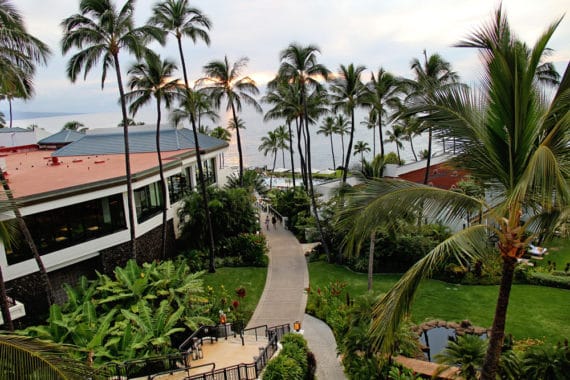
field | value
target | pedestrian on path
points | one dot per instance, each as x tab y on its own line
267	222
274	222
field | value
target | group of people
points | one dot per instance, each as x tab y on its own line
273	221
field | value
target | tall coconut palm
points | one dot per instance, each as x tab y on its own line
435	73
270	144
396	135
361	147
343	129
282	136
348	93
100	31
511	139
384	90
328	129
183	20
223	81
370	123
299	65
153	79
74	125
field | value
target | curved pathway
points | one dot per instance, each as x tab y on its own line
284	299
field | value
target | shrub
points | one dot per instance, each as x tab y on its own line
283	368
246	250
293	362
533	277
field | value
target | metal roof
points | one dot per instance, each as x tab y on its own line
15	129
62	137
141	140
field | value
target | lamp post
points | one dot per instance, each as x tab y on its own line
297	326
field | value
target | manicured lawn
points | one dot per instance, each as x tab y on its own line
252	279
534	311
559	253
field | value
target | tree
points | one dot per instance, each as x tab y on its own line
299	65
512	139
328	129
101	31
348	93
282	136
223	81
396	135
342	129
384	90
360	148
74	125
270	144
19	54
433	75
467	352
152	78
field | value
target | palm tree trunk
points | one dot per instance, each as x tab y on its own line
128	174
212	247
428	163
413	150
332	151
10	110
371	259
373	142
497	337
240	153
29	240
398	151
342	144
345	173
162	181
5	305
291	153
272	170
380	135
301	156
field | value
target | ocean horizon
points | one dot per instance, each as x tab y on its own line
256	128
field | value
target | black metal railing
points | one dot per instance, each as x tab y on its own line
148	366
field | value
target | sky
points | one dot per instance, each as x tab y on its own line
372	33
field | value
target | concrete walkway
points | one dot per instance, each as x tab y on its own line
284	299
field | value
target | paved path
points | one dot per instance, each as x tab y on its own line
284	299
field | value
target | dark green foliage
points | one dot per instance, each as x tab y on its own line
252	181
245	250
295	205
232	214
294	362
530	276
547	362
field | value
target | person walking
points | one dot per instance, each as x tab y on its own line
274	222
267	222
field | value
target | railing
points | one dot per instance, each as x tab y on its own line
278	331
148	366
210	332
254	329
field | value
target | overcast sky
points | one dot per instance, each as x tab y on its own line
387	33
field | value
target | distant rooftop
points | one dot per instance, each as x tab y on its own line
142	139
14	129
65	136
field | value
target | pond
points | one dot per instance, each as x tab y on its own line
436	339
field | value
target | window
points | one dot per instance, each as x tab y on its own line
177	187
209	167
67	226
148	201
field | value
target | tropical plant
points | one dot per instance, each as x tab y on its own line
29	358
431	76
223	81
342	129
152	78
100	31
384	90
547	362
510	139
328	129
347	94
252	181
74	125
467	352
361	147
396	135
270	144
282	136
299	65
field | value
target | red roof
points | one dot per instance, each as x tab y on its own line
442	175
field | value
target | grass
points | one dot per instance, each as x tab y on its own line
559	253
251	278
534	311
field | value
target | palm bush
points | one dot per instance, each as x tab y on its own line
467	352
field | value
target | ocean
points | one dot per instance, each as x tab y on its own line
256	128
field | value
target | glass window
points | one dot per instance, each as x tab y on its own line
148	201
177	187
209	167
66	226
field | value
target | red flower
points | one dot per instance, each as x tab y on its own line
235	304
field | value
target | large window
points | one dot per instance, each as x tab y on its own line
66	226
178	186
209	167
148	201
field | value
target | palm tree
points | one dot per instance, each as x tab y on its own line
411	126
270	144
282	136
223	134
467	352
299	65
361	147
342	129
23	358
396	135
512	140
370	123
328	129
101	31
384	90
434	74
152	78
223	81
347	93
74	125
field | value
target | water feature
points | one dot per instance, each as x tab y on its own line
436	340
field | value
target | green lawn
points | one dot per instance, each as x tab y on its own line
252	279
534	311
559	252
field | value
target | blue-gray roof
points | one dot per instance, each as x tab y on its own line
62	137
141	140
14	129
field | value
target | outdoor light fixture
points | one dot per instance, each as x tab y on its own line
222	319
297	326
